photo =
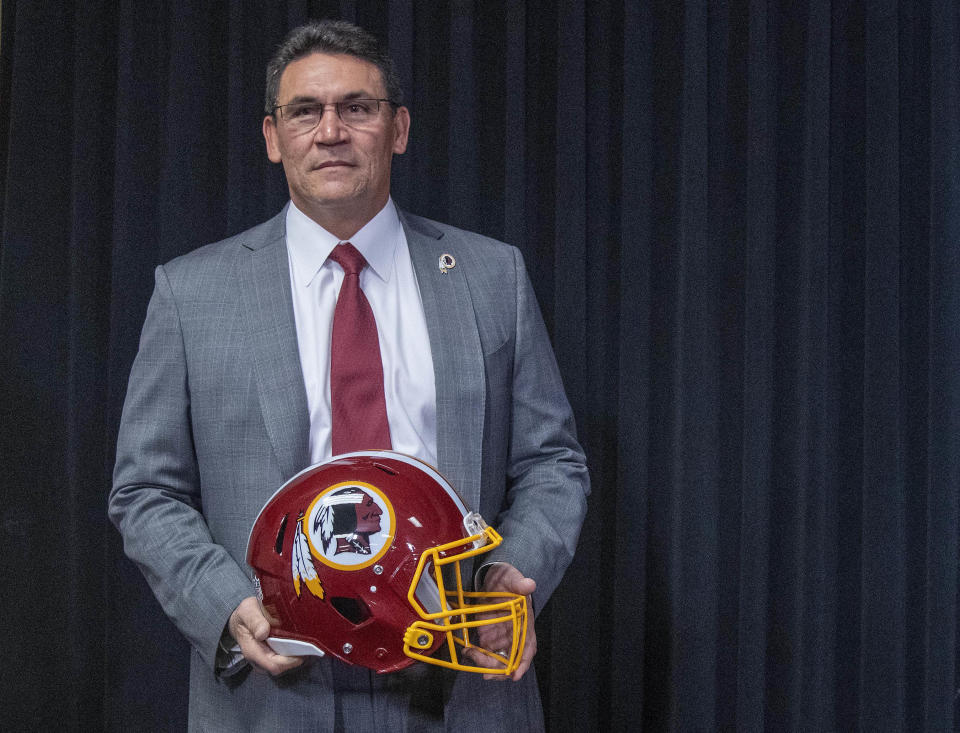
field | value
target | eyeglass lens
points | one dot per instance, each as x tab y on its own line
307	115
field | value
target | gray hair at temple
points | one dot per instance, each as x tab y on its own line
332	37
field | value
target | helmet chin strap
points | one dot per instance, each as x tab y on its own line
294	648
288	647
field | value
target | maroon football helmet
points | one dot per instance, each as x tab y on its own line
359	557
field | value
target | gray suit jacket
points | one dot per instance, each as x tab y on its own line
215	420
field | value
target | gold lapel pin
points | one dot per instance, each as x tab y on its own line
447	263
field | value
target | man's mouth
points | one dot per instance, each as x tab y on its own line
333	164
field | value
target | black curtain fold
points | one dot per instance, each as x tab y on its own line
741	218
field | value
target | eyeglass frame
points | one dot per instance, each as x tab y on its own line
394	105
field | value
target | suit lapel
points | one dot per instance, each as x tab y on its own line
457	357
272	339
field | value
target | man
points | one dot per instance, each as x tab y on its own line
230	395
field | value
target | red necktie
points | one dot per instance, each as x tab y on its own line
358	405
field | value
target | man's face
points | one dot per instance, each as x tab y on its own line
368	515
334	171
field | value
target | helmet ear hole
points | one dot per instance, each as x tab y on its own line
278	545
353	610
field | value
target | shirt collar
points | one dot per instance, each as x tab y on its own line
309	244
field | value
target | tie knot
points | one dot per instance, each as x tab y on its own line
349	258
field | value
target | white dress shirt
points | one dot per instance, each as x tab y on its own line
390	286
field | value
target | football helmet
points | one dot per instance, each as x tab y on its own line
359	557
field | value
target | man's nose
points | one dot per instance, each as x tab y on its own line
330	128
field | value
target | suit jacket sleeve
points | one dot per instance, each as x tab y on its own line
155	501
547	479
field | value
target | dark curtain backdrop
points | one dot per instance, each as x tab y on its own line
742	221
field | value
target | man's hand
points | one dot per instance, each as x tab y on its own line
503	577
250	628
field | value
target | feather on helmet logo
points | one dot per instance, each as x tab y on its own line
302	564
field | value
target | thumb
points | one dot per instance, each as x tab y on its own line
515	582
505	577
248	617
259	628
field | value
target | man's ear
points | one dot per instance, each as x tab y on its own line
401	129
270	136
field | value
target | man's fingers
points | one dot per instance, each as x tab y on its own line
498	638
250	629
503	577
480	659
259	654
529	652
247	620
520	585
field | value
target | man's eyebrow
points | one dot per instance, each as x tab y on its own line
303	98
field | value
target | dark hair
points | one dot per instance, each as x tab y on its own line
336	518
345	515
333	37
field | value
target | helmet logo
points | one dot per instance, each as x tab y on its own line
350	525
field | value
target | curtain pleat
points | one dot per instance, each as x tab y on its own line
942	348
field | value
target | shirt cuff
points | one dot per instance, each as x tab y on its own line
230	659
480	574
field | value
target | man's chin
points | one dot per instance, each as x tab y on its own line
333	197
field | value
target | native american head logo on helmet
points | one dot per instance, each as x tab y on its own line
349	516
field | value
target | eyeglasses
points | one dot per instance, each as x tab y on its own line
302	117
